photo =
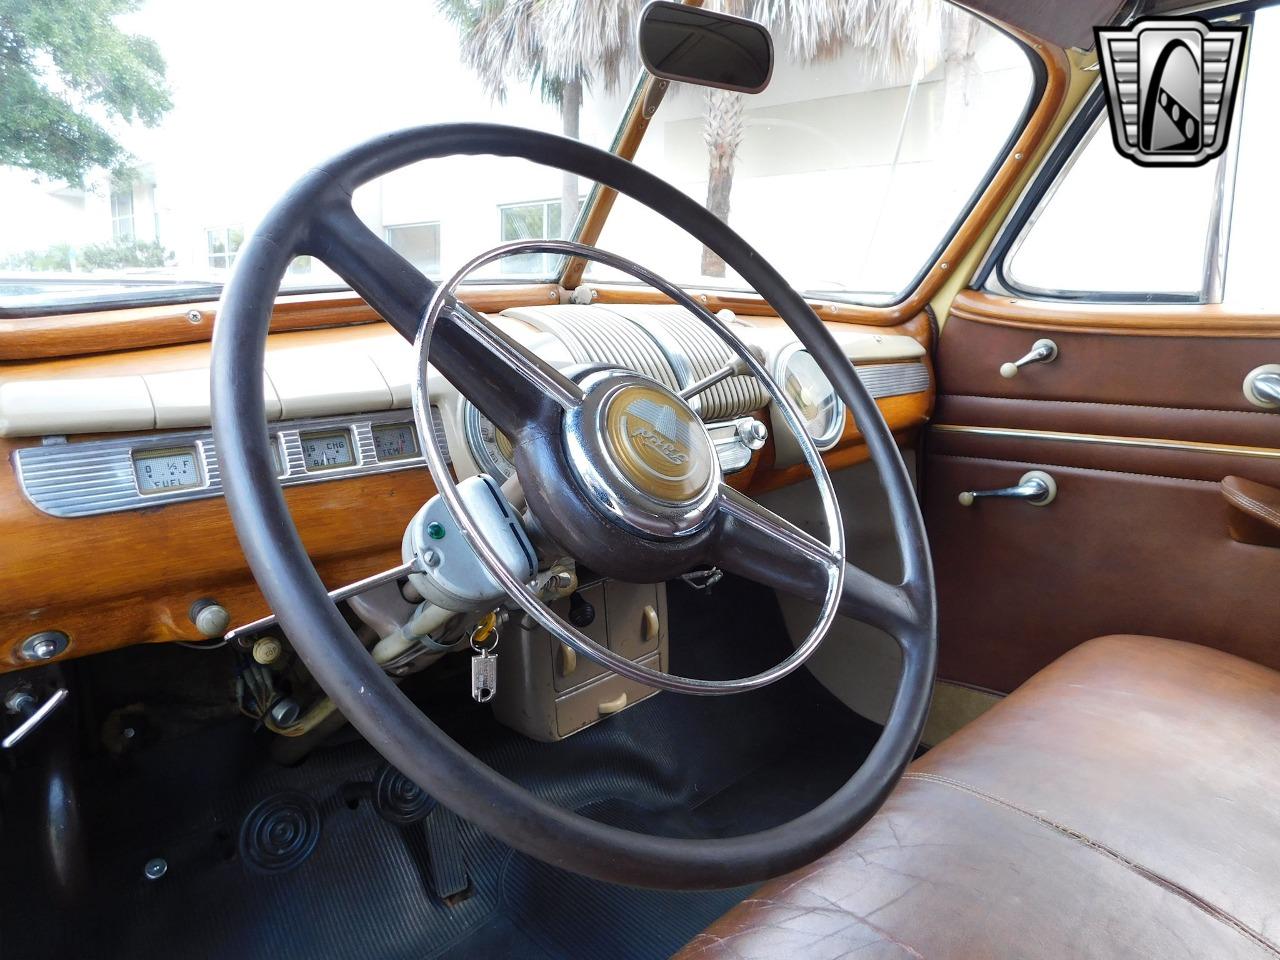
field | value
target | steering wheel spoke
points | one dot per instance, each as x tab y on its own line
510	384
762	546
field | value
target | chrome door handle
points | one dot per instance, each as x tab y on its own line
1042	351
1262	386
1036	487
30	713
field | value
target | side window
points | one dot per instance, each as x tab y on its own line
1110	229
1107	229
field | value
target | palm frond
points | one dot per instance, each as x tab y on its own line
546	43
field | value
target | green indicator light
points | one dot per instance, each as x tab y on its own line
435	530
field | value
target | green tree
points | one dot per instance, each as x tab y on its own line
66	73
560	46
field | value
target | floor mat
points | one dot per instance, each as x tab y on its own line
679	766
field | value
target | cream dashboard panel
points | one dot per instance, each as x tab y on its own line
131	575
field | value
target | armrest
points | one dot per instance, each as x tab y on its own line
1253	511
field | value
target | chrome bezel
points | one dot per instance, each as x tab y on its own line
608	486
478	447
829	439
91	477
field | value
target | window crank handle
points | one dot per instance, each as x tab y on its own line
1035	487
1042	351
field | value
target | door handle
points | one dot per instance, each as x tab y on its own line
1042	351
29	712
1253	514
1262	386
1035	487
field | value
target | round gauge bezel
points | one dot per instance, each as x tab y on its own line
478	447
833	435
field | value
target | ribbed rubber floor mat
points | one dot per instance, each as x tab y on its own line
683	766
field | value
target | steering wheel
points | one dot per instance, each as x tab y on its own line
593	484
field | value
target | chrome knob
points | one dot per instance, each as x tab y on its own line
1042	351
751	433
1262	386
1035	487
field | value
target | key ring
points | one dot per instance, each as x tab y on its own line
484	629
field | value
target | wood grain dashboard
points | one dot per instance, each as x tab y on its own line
118	579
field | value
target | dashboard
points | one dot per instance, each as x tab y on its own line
116	460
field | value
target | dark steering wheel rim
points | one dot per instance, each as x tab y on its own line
315	218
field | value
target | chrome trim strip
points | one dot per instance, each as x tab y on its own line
893	379
1148	443
93	477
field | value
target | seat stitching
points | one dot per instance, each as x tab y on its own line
1217	913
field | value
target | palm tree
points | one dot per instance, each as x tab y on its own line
564	45
561	46
898	33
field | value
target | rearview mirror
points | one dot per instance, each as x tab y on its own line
690	45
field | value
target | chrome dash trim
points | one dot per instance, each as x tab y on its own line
91	477
893	379
1147	443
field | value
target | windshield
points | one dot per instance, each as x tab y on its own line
232	102
852	167
141	143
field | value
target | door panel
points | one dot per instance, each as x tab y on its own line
1139	426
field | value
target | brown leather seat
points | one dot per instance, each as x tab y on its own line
1124	802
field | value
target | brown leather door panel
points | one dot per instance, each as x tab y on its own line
1138	427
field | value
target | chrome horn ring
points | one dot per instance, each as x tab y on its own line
520	592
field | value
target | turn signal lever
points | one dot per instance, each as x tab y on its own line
1036	487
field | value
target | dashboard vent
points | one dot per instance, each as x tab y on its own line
679	331
594	334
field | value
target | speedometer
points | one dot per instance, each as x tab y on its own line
809	389
489	446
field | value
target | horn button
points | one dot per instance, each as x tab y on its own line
643	456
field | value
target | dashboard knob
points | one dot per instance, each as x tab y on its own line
210	618
751	432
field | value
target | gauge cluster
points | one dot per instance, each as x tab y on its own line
84	478
804	383
489	447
